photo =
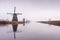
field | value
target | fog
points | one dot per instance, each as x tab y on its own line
31	9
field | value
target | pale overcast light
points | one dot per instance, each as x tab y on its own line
31	9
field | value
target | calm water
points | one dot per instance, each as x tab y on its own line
31	31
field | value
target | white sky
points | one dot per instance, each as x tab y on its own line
31	9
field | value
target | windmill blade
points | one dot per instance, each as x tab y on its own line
10	13
18	13
15	13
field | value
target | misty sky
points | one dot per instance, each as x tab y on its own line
31	9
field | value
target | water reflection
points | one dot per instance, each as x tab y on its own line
32	31
15	29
